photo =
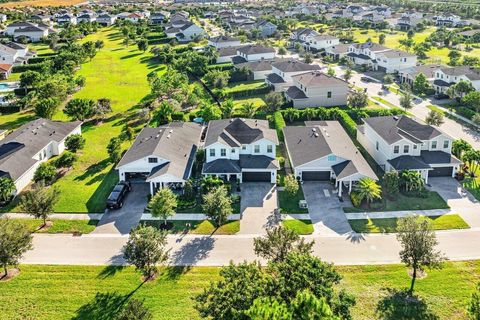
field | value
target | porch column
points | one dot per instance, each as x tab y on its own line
340	189
151	188
426	176
350	187
454	170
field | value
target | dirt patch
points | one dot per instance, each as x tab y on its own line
12	273
421	274
45	227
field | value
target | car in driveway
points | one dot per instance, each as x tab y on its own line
118	194
441	96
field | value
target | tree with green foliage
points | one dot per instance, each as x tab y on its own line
15	240
75	142
411	180
368	190
388	79
145	249
45	172
80	109
460	89
191	62
210	112
40	201
358	99
142	44
454	56
102	108
472	99
391	182
29	79
459	147
406	100
135	310
227	107
407	44
420	84
282	51
381	38
217	205
473	308
472	157
46	108
66	160
331	72
114	149
308	58
249	110
274	101
278	242
7	188
309	113
164	112
291	114
348	74
163	204
434	118
418	241
291	185
217	79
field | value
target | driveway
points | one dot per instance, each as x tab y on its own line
325	209
122	220
460	200
258	204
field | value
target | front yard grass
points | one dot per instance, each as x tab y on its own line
404	203
388	225
301	227
205	227
289	204
60	225
93	292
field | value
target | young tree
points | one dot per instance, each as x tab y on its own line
282	51
291	114
274	100
460	89
79	109
418	242
15	240
358	99
291	185
66	160
145	249
7	188
434	118
75	142
348	74
406	100
368	190
142	44
164	112
227	107
46	107
308	58
135	310
331	72
217	205
412	180
102	108
114	149
45	172
420	84
472	157
39	202
472	99
309	113
459	147
278	242
391	182
163	204
473	308
249	110
388	79
454	56
381	39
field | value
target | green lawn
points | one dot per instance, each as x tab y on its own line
301	227
402	202
244	85
96	292
386	225
60	226
289	204
198	227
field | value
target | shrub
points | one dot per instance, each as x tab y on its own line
66	160
291	185
356	199
75	142
279	123
466	112
348	124
45	172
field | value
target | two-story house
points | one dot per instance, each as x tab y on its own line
86	17
162	156
23	150
428	70
224	41
323	151
445	77
159	17
401	143
265	27
106	19
317	89
320	42
283	71
242	149
253	52
189	32
66	18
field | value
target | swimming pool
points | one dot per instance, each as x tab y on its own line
4	86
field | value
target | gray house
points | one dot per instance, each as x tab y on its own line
266	28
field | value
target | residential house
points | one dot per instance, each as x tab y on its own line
401	143
301	35
283	71
323	151
241	149
189	32
448	20
317	89
15	53
159	17
409	75
253	52
259	69
445	77
41	18
23	150
226	54
66	18
5	70
34	33
320	42
86	17
224	41
337	52
106	19
134	17
162	156
406	23
266	28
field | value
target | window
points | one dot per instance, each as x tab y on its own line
212	152
244	147
446	144
233	150
257	149
329	94
414	147
332	157
434	144
376	145
44	153
406	148
396	149
152	160
269	148
223	152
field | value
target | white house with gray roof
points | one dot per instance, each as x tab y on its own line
445	77
401	143
224	41
243	149
323	151
23	150
283	71
253	52
162	156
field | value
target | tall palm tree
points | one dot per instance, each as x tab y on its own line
368	190
309	113
434	118
406	100
249	110
412	180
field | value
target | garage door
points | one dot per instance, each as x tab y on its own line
315	175
136	176
256	176
441	172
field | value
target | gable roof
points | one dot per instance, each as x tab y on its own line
295	66
317	78
236	132
223	38
255	49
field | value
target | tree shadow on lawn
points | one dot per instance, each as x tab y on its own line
129	56
92	170
397	305
152	63
96	203
110	271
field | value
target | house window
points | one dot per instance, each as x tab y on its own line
233	150
269	148
434	144
212	152
257	149
376	145
446	144
152	160
44	153
223	152
396	149
332	157
406	148
329	94
244	147
414	147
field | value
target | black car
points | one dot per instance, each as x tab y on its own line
365	79
118	194
441	96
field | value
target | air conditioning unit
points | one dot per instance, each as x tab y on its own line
303	204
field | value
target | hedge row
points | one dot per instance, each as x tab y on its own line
9	109
38	59
356	114
279	123
465	112
25	67
158	41
221	67
249	93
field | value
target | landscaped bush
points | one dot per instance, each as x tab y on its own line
221	67
25	67
178	116
279	123
348	124
356	199
356	114
39	59
465	112
248	93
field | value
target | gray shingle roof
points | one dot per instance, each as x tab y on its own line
295	93
317	78
224	38
258	162
221	166
408	163
295	66
255	49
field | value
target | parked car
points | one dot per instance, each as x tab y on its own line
366	79
417	100
441	96
118	194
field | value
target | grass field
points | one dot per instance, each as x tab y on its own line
40	3
301	227
386	225
95	292
289	204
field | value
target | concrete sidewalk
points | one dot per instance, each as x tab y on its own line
397	214
57	216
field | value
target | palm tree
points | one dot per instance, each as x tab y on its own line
412	180
7	188
406	100
472	157
434	118
368	190
249	110
211	53
459	147
309	113
227	107
291	114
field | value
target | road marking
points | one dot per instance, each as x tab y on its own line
326	193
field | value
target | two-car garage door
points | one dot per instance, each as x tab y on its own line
441	172
257	176
315	175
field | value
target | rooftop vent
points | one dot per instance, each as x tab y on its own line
316	135
168	137
314	129
395	118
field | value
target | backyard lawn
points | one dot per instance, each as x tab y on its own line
388	225
244	85
96	292
301	227
289	204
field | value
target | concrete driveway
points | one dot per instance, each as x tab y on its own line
259	201
325	209
122	220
